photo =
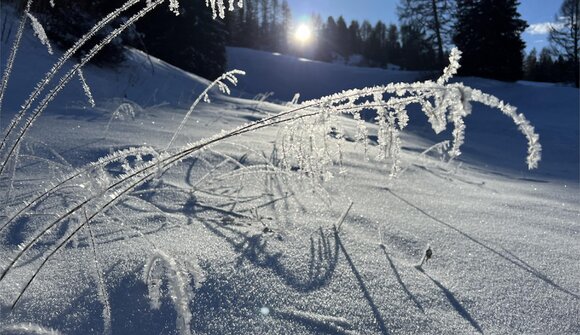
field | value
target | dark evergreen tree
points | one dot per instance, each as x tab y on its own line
565	37
392	44
70	20
234	23
328	40
251	26
488	32
531	65
546	69
416	52
374	50
365	30
285	25
193	41
434	17
276	33
341	37
265	36
354	38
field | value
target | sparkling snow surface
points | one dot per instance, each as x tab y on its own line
238	249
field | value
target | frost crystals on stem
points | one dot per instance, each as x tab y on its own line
305	139
39	32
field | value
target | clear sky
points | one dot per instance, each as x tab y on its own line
536	12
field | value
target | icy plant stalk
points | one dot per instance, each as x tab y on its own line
218	7
442	103
309	131
39	32
13	50
86	89
48	78
230	76
178	287
6	151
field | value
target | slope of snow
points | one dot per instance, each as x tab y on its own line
286	75
249	250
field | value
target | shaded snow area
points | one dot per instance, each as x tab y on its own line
227	243
284	75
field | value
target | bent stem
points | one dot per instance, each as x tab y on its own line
345	102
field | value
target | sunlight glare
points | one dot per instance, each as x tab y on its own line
303	33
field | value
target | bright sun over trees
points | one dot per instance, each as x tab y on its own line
420	41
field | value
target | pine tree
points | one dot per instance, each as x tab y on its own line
341	37
265	26
251	25
328	40
234	25
546	68
70	20
392	44
416	52
489	34
435	17
193	41
375	45
285	25
530	65
564	36
276	34
354	38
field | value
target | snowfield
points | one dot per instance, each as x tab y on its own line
226	243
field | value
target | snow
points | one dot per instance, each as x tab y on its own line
286	75
250	249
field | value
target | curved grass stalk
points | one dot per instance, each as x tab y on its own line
230	76
339	103
12	57
100	163
178	285
165	163
49	76
102	287
67	77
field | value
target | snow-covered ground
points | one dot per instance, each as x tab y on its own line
242	248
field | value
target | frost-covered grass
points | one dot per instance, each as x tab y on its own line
247	243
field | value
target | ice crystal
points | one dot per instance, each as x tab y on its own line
39	32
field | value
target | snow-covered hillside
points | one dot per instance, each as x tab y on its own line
286	75
225	243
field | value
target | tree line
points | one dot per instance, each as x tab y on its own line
193	40
559	63
487	31
267	25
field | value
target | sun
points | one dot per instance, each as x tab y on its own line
303	33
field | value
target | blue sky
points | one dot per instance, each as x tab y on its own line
536	12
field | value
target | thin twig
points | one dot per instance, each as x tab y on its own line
338	224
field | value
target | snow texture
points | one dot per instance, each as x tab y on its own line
248	247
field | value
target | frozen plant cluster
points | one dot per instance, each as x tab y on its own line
179	288
28	114
312	142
